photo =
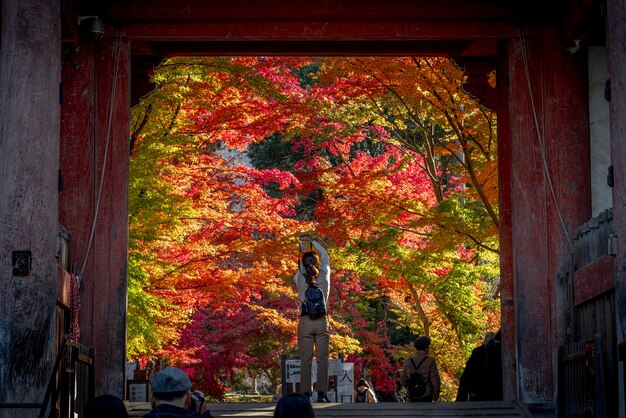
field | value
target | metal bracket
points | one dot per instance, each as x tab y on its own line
610	180
612	245
607	90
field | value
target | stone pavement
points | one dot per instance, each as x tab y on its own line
361	410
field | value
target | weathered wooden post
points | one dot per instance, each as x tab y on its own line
616	57
545	195
95	151
30	57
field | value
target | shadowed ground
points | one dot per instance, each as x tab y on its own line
383	409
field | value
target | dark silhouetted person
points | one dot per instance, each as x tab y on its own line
426	366
482	378
294	405
171	396
470	378
105	406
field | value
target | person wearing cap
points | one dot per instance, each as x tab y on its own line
426	366
172	397
364	393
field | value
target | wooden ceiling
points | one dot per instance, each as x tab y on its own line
457	28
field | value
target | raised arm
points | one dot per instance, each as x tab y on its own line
324	259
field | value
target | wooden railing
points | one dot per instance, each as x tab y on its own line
593	239
71	383
581	380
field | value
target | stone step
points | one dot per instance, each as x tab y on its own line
512	409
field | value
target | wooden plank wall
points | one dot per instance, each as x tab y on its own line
538	243
616	55
593	303
29	114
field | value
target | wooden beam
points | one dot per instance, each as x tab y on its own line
63	288
476	84
90	93
77	198
316	48
551	194
106	287
532	281
594	279
318	30
242	10
579	17
29	148
567	144
507	290
616	56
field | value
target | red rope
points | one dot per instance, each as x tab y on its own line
74	309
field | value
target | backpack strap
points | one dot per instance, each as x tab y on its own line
420	364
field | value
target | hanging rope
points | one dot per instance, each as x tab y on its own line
541	142
106	152
74	308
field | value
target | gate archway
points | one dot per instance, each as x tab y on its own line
542	106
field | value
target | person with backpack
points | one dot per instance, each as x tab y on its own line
313	284
420	374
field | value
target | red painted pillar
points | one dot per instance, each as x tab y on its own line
77	163
616	57
94	152
545	195
507	289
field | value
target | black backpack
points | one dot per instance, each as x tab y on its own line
416	384
314	304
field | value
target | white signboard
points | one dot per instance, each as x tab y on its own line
138	392
343	371
292	368
332	396
345	383
335	367
131	366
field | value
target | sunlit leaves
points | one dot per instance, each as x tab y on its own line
384	158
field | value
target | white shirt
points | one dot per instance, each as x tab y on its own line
323	280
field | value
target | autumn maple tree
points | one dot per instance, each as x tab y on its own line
385	159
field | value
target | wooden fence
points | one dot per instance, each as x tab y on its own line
73	384
588	363
582	380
